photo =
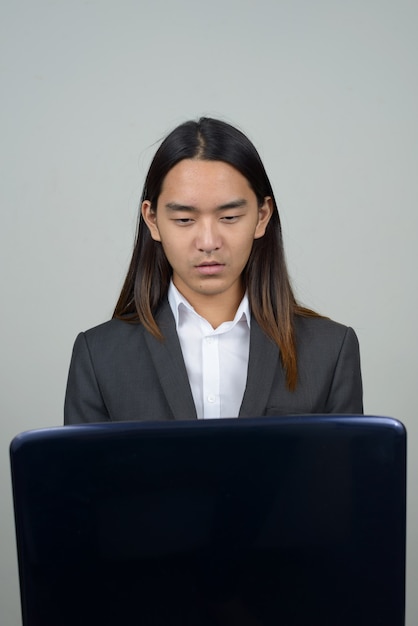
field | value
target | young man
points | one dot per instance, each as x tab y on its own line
207	325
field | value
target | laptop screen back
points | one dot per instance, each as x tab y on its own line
291	521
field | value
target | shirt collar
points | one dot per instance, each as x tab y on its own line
178	302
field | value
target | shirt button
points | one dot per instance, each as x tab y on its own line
211	399
209	340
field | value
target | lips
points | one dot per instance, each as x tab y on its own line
209	268
206	263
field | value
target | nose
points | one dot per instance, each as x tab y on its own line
208	239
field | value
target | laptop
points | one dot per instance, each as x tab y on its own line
290	521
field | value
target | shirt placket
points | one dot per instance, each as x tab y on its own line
211	376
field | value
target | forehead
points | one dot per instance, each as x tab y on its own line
194	180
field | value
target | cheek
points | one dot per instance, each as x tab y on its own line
244	242
241	253
173	250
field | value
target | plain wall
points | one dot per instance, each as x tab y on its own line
328	92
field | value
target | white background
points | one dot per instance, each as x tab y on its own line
328	92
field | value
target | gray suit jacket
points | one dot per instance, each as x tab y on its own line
120	372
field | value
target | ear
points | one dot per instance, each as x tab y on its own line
150	218
264	214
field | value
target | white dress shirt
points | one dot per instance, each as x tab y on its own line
216	359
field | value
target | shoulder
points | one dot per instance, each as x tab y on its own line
108	340
323	334
119	335
319	326
114	329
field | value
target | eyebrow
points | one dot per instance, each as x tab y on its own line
234	204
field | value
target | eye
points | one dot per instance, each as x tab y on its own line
183	221
229	219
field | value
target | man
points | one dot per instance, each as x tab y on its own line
207	324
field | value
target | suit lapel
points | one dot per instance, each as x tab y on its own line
168	361
262	369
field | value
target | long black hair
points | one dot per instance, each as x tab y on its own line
265	276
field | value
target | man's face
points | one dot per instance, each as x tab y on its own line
207	218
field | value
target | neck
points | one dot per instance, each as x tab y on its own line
216	313
215	308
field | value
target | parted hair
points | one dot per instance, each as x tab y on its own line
265	276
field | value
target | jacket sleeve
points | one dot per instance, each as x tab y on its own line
83	399
346	390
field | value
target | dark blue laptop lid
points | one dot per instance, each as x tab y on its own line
292	521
